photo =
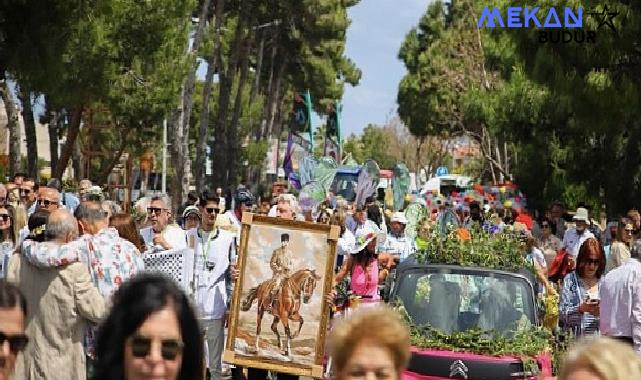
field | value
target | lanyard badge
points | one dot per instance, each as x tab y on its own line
208	265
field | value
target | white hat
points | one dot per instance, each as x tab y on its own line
191	210
364	236
398	217
581	215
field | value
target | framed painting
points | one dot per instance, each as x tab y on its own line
279	317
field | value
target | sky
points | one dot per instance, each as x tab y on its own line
373	40
378	27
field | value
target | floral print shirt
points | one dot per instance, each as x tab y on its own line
110	259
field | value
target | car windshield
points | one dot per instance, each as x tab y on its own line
452	300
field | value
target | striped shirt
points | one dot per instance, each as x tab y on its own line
573	293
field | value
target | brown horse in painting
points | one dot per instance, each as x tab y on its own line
295	290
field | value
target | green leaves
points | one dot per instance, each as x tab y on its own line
527	342
484	249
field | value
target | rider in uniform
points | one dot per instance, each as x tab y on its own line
281	264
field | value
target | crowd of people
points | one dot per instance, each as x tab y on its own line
73	284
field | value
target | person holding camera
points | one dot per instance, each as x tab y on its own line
579	306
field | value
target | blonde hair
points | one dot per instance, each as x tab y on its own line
378	325
607	358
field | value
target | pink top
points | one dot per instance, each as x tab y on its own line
365	285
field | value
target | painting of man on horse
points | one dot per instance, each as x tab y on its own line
293	292
279	314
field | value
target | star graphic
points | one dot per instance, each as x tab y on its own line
605	18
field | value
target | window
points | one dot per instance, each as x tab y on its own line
457	301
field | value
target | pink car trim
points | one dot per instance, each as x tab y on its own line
544	360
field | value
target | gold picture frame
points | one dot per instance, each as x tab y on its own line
272	350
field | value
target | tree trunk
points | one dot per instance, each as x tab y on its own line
220	152
176	149
54	120
212	62
30	132
77	162
182	160
270	94
103	176
259	67
277	101
13	126
235	125
72	135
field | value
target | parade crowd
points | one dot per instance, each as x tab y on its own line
76	301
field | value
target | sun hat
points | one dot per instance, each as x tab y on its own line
364	236
398	217
191	210
581	215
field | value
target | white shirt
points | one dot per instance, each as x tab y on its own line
572	241
401	246
212	254
6	250
368	224
538	257
346	243
174	235
620	295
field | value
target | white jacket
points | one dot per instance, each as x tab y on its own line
212	254
174	235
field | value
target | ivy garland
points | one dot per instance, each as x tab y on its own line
526	342
481	248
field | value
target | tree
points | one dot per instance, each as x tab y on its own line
125	55
213	59
30	132
12	124
445	59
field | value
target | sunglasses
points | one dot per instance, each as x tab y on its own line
169	348
5	217
25	191
17	343
212	210
545	226
593	261
45	202
154	210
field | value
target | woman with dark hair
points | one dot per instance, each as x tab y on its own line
550	244
579	306
126	227
363	266
37	225
7	238
151	332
